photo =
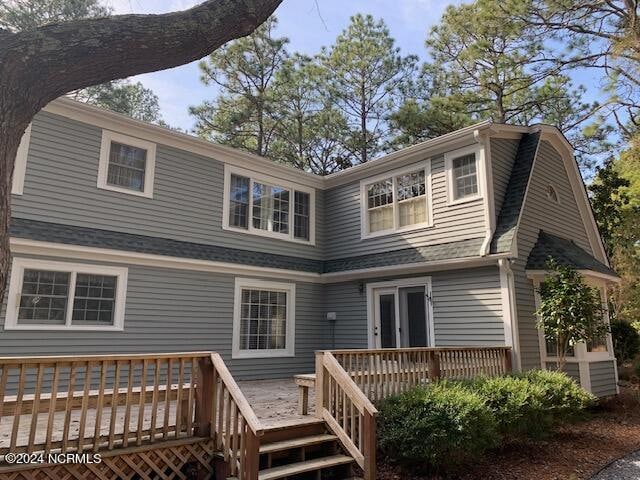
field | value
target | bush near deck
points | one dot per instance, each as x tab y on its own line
444	425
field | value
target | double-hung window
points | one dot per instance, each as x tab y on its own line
396	202
127	164
264	319
463	175
59	296
266	206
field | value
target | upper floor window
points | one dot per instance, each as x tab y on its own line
463	175
396	202
268	206
58	296
127	164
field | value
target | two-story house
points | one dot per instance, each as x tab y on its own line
128	237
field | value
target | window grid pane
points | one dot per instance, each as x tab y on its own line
270	208
43	300
94	299
127	166
301	214
465	176
263	320
412	198
239	202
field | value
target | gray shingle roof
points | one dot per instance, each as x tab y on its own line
514	196
92	237
565	252
460	249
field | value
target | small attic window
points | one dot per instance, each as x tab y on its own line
552	194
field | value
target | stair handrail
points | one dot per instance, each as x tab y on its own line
235	427
338	398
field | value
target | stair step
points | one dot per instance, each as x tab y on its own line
302	467
297	443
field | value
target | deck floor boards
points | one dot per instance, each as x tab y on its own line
275	402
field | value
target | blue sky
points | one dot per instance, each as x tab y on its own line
308	24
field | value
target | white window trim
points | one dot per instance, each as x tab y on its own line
580	350
260	178
20	165
103	166
15	290
478	150
397	284
290	290
364	207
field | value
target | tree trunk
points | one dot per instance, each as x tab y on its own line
38	66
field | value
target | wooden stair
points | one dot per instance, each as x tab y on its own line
303	451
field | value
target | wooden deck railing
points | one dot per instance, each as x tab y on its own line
348	381
347	411
111	402
237	429
383	372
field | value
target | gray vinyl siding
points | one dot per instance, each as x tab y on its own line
450	223
467	309
171	310
503	154
603	378
60	187
538	213
349	302
571	369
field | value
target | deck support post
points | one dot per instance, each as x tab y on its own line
369	452
253	456
433	366
204	398
320	384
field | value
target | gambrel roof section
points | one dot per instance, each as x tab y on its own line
504	237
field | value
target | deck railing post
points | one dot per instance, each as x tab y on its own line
508	360
252	458
434	365
204	398
320	381
369	450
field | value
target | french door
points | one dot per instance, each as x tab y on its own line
401	313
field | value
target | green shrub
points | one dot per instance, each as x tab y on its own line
436	427
626	341
560	394
517	403
636	366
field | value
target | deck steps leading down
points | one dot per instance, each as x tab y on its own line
301	451
292	469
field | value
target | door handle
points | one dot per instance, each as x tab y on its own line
375	331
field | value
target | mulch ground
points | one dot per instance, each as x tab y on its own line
575	451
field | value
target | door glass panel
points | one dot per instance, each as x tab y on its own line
413	317
387	307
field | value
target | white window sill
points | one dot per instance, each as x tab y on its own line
462	200
128	191
267	234
64	328
409	228
262	354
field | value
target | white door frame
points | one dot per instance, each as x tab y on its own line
393	286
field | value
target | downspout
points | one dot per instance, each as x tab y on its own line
486	172
509	312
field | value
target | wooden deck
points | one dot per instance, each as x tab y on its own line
152	416
274	402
